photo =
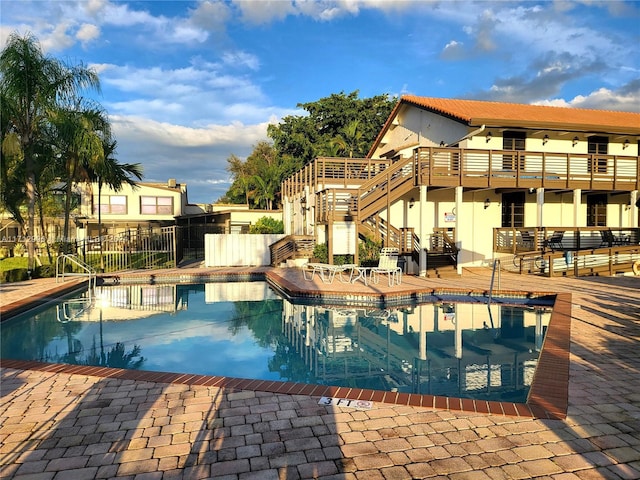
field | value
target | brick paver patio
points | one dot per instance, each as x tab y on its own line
60	423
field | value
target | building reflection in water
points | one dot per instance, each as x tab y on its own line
448	349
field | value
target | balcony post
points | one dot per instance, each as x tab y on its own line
459	191
577	200
422	201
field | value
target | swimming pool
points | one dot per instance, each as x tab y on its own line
246	330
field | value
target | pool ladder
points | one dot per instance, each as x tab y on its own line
85	269
64	312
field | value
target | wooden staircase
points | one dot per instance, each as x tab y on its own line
385	188
291	247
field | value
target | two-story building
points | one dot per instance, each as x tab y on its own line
144	206
477	181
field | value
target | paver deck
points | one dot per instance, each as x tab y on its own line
60	423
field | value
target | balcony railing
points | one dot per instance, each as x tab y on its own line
547	239
526	169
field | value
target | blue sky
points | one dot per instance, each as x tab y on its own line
188	83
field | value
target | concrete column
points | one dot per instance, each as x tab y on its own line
577	201
459	191
423	233
540	205
633	210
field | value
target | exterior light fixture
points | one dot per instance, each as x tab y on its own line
442	143
303	203
412	202
626	143
575	141
545	139
487	202
489	136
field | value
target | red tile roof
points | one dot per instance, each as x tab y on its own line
474	112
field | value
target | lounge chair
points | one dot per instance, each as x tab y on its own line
387	265
326	271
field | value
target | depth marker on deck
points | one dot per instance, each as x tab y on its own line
345	402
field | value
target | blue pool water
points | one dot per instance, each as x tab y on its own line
245	330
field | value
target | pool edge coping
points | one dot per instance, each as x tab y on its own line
547	399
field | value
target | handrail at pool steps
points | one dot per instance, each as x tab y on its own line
86	269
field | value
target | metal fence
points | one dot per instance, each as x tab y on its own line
148	248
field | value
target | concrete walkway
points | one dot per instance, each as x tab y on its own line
74	426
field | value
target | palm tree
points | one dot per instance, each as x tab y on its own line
78	135
113	174
350	138
33	85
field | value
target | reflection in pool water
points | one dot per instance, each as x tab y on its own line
461	349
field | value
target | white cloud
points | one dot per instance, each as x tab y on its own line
87	32
601	99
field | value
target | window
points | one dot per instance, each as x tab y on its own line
513	209
156	205
110	204
513	141
597	210
598	146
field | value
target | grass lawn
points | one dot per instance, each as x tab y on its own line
11	263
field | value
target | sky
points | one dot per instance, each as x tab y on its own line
187	84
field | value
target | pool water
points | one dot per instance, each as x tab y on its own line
245	330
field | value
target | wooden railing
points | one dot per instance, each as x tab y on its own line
291	246
531	239
506	168
329	172
379	192
592	261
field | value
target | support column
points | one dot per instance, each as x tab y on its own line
577	201
459	191
422	267
540	205
633	210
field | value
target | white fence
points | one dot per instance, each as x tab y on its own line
238	250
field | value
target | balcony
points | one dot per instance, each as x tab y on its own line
449	167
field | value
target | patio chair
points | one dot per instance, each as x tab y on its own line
609	239
387	265
554	242
528	239
326	271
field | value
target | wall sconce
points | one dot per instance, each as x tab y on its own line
625	144
442	143
489	137
412	202
545	139
303	203
487	202
575	141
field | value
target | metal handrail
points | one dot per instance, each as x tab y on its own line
88	271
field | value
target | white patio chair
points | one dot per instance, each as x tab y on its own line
387	265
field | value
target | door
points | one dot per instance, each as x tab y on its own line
513	209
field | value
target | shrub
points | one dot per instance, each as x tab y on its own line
45	271
4	253
267	225
14	275
321	252
19	249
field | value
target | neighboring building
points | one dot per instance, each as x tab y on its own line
145	206
477	180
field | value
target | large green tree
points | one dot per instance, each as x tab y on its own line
341	125
32	85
